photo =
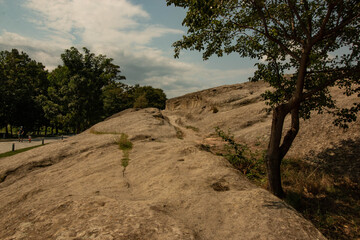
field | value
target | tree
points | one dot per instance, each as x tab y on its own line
317	41
22	80
55	101
147	96
78	87
116	98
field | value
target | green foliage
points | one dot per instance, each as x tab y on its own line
147	96
85	89
79	85
306	47
21	81
124	143
118	97
11	153
125	160
240	156
285	34
330	201
141	102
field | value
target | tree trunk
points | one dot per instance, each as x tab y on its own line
46	130
6	131
11	131
273	155
277	151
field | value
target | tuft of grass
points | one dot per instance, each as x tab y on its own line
125	160
125	145
11	153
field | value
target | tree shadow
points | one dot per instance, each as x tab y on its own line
342	159
334	207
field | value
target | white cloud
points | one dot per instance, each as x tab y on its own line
46	52
120	30
107	21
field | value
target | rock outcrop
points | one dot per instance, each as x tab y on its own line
171	189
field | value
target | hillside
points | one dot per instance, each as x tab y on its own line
78	188
240	109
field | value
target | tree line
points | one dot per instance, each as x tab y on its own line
83	90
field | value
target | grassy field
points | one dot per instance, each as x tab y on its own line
11	153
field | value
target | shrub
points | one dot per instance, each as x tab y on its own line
240	156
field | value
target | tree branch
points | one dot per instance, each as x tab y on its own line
269	36
335	31
293	8
330	80
321	31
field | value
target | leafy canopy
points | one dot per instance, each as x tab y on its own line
288	36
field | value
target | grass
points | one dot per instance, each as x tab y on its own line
330	201
11	153
125	145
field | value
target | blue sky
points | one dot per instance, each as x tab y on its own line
137	34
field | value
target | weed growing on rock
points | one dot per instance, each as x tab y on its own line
240	156
125	145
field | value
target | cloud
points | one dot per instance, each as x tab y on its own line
120	30
108	22
46	52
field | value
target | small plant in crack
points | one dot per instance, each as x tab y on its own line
125	145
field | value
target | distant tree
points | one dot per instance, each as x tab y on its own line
141	102
55	101
315	40
22	80
116	98
147	96
77	87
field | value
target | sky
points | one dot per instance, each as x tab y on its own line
137	34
